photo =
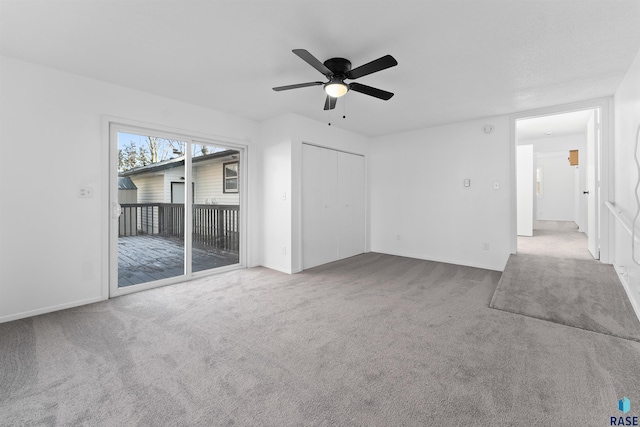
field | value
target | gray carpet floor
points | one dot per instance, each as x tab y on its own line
560	239
554	277
373	340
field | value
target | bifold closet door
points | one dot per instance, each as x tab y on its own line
319	206
333	212
351	223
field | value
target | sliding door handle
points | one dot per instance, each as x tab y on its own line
585	192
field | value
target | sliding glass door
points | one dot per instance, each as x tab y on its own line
176	208
151	224
215	229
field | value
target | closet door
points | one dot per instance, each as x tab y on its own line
319	206
351	235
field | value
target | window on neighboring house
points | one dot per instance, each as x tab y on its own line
231	177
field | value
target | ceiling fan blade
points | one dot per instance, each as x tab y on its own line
379	64
313	61
279	88
371	91
330	103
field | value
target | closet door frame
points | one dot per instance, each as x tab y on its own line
301	265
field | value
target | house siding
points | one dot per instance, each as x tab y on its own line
150	188
209	186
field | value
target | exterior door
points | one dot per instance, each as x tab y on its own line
177	192
150	239
159	232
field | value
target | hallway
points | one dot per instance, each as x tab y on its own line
553	277
558	239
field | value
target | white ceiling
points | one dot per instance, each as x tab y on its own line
458	60
552	126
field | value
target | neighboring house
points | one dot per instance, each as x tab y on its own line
152	199
214	180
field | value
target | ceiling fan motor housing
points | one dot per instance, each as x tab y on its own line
339	66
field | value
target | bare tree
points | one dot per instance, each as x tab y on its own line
153	148
156	150
163	149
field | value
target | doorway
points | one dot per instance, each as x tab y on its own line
558	183
160	233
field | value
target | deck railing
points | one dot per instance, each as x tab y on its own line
215	226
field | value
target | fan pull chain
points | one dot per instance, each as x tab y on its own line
344	110
344	107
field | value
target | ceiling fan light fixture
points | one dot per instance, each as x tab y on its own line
337	70
336	88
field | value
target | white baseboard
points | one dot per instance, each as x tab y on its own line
50	309
624	278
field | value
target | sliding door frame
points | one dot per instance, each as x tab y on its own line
113	126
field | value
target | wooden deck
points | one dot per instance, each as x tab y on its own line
212	225
145	258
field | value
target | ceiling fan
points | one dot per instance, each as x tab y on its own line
337	70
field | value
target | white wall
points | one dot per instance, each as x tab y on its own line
557	199
54	245
275	174
525	188
419	205
282	139
627	120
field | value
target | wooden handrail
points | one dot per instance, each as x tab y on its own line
217	226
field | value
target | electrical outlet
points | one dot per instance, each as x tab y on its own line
85	192
496	185
467	183
284	250
398	237
485	246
